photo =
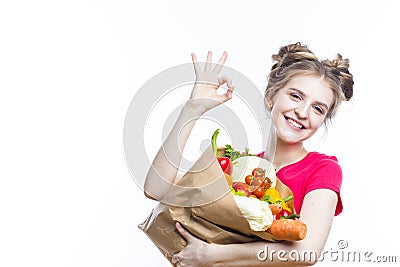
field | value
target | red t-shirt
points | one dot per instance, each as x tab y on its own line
314	171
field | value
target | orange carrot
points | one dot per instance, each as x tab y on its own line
275	208
228	179
288	229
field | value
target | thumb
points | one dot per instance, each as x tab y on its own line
227	96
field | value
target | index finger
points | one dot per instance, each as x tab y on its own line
218	67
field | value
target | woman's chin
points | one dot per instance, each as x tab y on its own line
292	137
291	140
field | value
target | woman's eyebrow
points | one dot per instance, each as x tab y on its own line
302	94
322	104
297	91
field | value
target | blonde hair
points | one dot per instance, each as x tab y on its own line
296	59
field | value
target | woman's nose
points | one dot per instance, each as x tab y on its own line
302	111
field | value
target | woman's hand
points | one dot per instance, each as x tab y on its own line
204	95
196	253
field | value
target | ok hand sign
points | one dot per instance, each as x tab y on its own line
204	95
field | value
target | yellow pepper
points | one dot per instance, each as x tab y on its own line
276	198
285	206
273	193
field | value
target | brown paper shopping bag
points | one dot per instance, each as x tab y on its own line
202	202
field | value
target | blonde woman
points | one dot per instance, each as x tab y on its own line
302	94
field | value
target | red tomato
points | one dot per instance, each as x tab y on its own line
257	182
258	172
267	183
266	186
259	192
248	179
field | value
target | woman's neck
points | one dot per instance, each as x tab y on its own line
286	154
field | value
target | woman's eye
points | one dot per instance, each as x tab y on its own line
319	109
296	96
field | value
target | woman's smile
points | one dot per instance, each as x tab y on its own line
294	124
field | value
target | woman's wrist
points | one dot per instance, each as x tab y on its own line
212	252
219	255
193	109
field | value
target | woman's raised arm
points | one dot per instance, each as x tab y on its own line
204	96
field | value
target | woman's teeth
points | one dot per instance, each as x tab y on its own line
294	123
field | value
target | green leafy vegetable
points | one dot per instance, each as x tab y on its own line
233	154
238	193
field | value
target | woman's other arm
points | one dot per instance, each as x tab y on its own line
317	213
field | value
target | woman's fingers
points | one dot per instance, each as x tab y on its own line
225	79
185	234
228	95
175	259
207	67
195	64
207	84
186	256
218	67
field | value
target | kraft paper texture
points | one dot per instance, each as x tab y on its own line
203	204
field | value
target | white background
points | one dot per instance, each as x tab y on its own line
69	69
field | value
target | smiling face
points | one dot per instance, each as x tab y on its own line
300	107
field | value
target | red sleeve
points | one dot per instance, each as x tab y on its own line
327	175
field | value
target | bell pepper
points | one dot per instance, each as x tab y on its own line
224	162
283	201
286	214
273	194
282	214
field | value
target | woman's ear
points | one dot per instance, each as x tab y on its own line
269	103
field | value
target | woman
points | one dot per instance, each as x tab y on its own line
302	94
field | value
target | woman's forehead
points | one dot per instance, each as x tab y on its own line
312	87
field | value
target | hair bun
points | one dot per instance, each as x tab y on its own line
346	78
292	53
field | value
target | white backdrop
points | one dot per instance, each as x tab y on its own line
69	69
